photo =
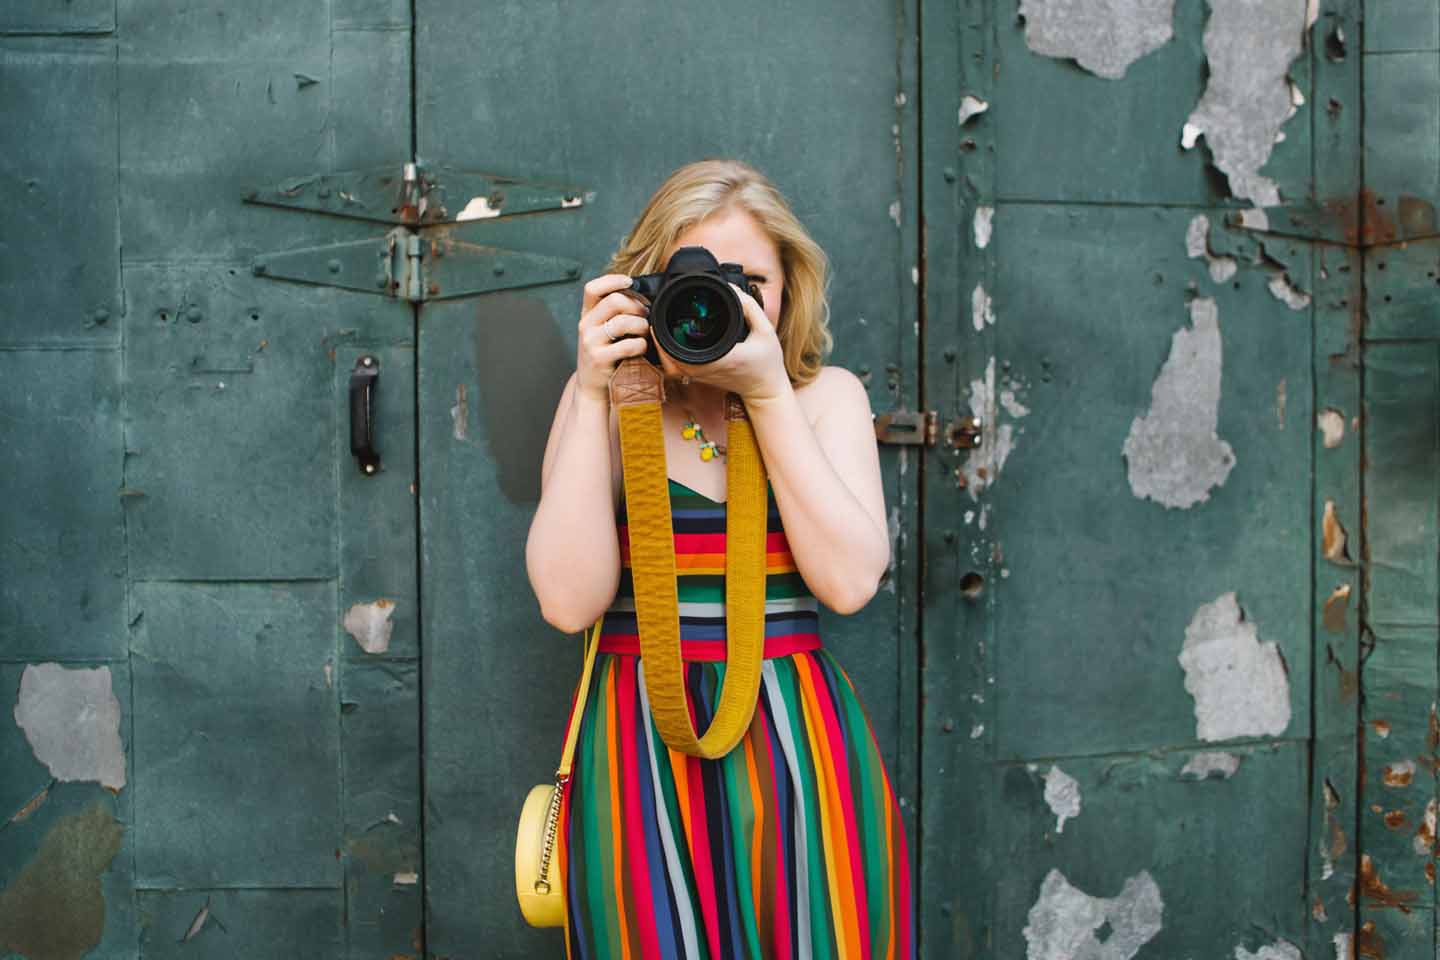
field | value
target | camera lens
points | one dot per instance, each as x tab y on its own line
697	317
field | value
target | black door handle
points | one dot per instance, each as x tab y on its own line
363	381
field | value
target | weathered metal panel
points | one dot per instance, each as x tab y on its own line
1392	25
236	735
810	93
22	17
61	271
1332	863
62	586
192	924
1118	601
1125	473
232	429
959	871
212	106
1101	95
66	843
1402	138
1401	483
1180	852
1334	523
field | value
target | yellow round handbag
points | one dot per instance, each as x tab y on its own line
542	900
637	390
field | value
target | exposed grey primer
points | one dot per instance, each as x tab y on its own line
370	624
1331	423
1197	244
1172	453
1249	45
1279	950
1239	684
1064	919
981	309
1203	764
983	463
460	413
1254	218
71	720
971	106
1062	793
1283	290
984	221
1103	36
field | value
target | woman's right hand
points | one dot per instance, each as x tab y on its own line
597	354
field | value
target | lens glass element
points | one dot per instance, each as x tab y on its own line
697	317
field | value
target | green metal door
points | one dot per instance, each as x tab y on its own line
1154	245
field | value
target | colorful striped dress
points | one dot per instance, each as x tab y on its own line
789	847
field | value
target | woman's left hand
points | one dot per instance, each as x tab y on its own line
754	368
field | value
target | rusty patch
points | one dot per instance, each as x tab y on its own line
1377	893
1395	819
1368	943
1398	774
1349	684
1333	537
1382	727
1416	215
1425	836
1335	606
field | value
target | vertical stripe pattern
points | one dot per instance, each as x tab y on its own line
790	847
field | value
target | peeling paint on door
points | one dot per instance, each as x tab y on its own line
371	624
1279	950
1240	684
1062	793
71	719
997	440
1103	37
1064	920
1203	764
1249	45
1197	244
1173	453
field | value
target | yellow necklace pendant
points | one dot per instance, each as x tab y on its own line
691	430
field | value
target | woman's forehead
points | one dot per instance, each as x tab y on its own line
733	236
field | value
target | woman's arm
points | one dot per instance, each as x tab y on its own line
572	553
828	487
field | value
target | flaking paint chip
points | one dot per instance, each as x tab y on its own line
1103	37
71	719
1173	453
1239	683
371	624
1063	922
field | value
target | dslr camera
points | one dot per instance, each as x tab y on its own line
694	314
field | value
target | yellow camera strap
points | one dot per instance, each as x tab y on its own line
637	390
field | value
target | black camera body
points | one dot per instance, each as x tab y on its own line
694	315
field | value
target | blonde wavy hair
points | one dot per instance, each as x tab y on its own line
706	187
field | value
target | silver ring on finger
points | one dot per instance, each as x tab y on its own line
607	331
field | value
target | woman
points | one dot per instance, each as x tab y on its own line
791	845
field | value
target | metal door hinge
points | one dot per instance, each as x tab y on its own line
921	428
418	258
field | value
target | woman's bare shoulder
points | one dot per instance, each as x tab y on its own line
832	383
